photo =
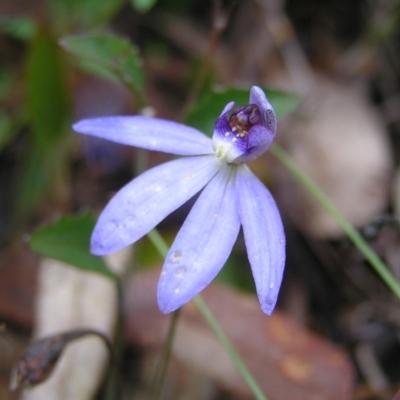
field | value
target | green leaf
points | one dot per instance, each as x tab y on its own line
143	5
47	93
83	14
41	175
6	83
20	28
114	53
92	68
31	186
6	130
206	112
68	240
43	164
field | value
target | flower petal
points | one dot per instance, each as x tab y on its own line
243	134
260	140
257	96
203	244
224	141
227	108
143	203
148	133
264	236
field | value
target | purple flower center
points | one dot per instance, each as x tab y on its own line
243	119
242	135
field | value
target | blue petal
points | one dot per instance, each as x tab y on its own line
148	133
260	140
225	143
227	108
143	203
203	244
257	96
264	236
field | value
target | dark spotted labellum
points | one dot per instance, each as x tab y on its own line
243	119
246	132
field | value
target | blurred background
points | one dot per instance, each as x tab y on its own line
333	71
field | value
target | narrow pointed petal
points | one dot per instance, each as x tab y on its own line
227	108
202	245
264	236
148	133
257	96
140	205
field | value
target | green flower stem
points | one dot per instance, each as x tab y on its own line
158	242
166	354
229	348
162	248
159	373
379	266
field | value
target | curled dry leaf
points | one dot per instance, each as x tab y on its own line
288	361
39	360
341	144
37	363
68	299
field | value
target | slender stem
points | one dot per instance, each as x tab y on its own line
229	348
219	22
158	242
162	248
140	161
165	356
114	376
379	266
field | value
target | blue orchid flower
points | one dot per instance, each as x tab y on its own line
232	196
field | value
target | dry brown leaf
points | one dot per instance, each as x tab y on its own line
288	361
68	299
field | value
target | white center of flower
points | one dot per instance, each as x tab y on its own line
224	150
